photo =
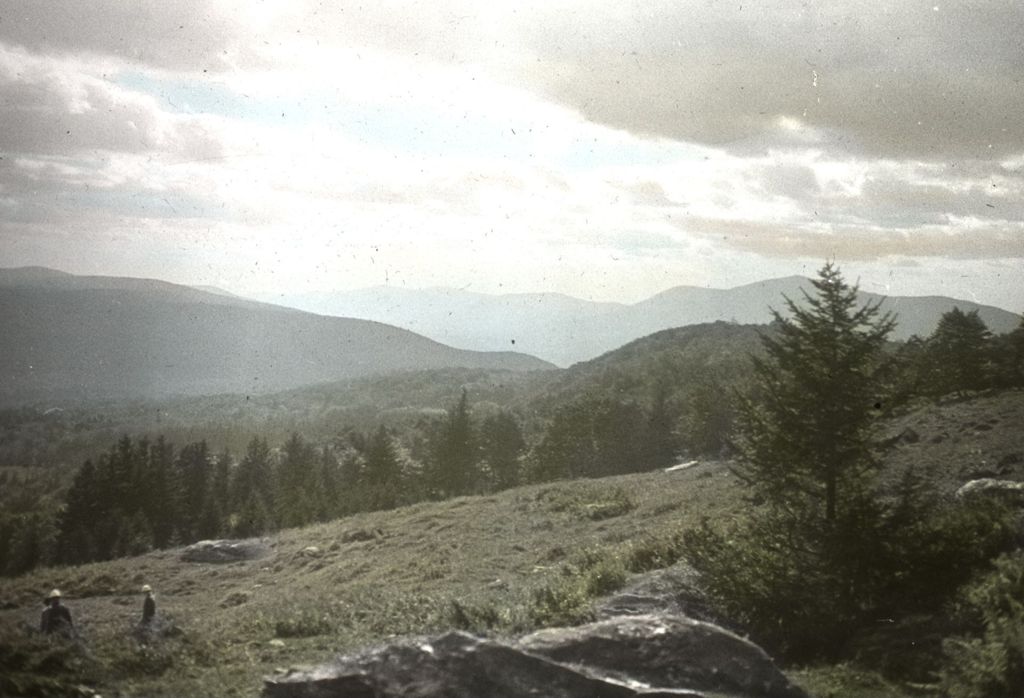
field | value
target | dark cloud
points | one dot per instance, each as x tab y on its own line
181	34
49	113
902	80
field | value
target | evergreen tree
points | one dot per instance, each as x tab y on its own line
566	449
383	471
707	418
329	487
250	491
295	500
162	492
502	446
213	520
455	460
193	472
618	431
1009	358
805	440
662	442
959	351
804	568
81	510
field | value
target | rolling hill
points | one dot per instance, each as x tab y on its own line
74	337
566	330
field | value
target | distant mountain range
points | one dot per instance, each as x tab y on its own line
566	330
93	337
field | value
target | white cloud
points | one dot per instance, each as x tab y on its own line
601	149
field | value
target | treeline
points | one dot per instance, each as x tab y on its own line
146	494
961	355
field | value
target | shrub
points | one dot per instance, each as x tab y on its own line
654	553
803	596
559	604
593	573
992	664
302	622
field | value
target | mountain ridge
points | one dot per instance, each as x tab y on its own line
71	337
566	330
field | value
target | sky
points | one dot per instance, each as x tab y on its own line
605	150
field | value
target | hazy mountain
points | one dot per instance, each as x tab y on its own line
67	336
565	330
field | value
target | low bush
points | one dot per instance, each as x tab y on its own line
804	591
301	621
990	664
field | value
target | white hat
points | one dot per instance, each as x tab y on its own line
55	594
146	588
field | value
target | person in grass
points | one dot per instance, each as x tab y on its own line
56	617
148	605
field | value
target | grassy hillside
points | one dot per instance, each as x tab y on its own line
504	564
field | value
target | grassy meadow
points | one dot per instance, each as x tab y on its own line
503	564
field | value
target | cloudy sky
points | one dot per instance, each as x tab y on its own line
608	150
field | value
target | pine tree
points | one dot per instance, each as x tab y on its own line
456	460
566	450
805	441
804	567
252	478
75	543
328	486
959	350
1009	357
193	472
502	446
383	471
295	500
162	492
662	442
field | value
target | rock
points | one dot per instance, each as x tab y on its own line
666	651
651	655
907	436
456	665
361	534
988	487
310	551
236	598
221	551
673	591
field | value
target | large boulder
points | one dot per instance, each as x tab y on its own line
456	665
222	551
617	658
664	650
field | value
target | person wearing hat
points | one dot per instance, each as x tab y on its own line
56	617
148	605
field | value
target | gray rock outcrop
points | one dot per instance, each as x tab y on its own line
616	658
663	650
1009	490
673	591
222	551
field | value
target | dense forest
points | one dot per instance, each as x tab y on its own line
329	451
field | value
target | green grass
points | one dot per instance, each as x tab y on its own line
503	564
847	681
